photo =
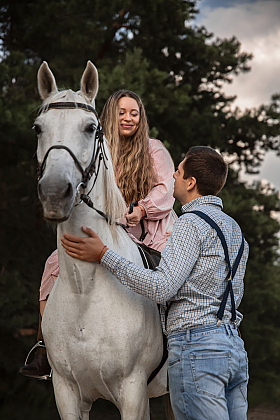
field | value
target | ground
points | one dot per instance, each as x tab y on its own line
264	413
258	413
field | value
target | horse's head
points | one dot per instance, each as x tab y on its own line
67	130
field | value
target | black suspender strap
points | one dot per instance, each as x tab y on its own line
232	270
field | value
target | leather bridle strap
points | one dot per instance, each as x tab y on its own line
68	105
77	163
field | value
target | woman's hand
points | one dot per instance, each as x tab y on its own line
134	218
85	249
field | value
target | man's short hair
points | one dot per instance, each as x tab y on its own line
208	168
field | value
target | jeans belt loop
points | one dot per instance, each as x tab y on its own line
228	329
188	335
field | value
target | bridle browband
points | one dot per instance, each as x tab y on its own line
68	105
98	153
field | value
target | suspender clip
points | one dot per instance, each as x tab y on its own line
218	322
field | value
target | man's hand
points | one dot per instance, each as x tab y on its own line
85	249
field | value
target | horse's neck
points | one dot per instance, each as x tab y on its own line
83	215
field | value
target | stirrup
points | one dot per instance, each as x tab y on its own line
43	377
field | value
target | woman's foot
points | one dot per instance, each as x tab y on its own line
39	368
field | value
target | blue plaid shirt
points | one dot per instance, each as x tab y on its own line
192	272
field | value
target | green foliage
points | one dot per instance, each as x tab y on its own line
153	48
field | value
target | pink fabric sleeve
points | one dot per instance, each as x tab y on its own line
159	202
50	275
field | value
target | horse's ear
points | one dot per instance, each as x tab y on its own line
46	81
89	82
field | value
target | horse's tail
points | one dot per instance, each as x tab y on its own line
168	408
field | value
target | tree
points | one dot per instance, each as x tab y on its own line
153	48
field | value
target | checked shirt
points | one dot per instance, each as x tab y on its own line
192	272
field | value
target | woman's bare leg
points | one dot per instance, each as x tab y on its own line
42	306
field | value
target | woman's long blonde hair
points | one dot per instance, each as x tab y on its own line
131	157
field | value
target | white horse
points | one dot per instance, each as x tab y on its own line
103	341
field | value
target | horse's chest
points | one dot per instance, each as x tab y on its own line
80	330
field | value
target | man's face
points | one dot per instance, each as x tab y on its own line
180	185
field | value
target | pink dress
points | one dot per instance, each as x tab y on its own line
159	218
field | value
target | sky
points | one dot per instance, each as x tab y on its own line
256	24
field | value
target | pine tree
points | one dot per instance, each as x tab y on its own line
153	48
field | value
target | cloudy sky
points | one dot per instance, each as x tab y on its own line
256	24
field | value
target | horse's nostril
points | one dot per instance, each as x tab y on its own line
45	190
69	191
40	192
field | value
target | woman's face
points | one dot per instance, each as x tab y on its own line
129	116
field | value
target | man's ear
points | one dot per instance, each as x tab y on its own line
191	183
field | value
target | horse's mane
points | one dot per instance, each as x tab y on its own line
115	205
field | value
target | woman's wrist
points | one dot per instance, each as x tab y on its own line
143	211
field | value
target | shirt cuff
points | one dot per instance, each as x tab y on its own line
110	260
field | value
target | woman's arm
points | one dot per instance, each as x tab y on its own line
159	202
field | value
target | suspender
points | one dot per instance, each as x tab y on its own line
232	270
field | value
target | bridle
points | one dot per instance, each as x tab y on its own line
98	155
98	152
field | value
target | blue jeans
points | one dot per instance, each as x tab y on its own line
208	374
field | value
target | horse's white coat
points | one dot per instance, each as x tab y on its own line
102	339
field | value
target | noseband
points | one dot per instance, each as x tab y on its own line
98	153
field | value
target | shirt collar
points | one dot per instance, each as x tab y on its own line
204	200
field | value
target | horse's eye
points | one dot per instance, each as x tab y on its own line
90	128
37	129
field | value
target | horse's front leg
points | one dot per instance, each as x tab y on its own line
133	402
147	415
68	405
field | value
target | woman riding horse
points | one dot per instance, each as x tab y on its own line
144	174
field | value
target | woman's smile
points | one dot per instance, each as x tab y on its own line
129	116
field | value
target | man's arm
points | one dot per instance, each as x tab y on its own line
177	261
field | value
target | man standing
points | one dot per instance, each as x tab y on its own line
201	264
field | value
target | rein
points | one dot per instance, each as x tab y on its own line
86	199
